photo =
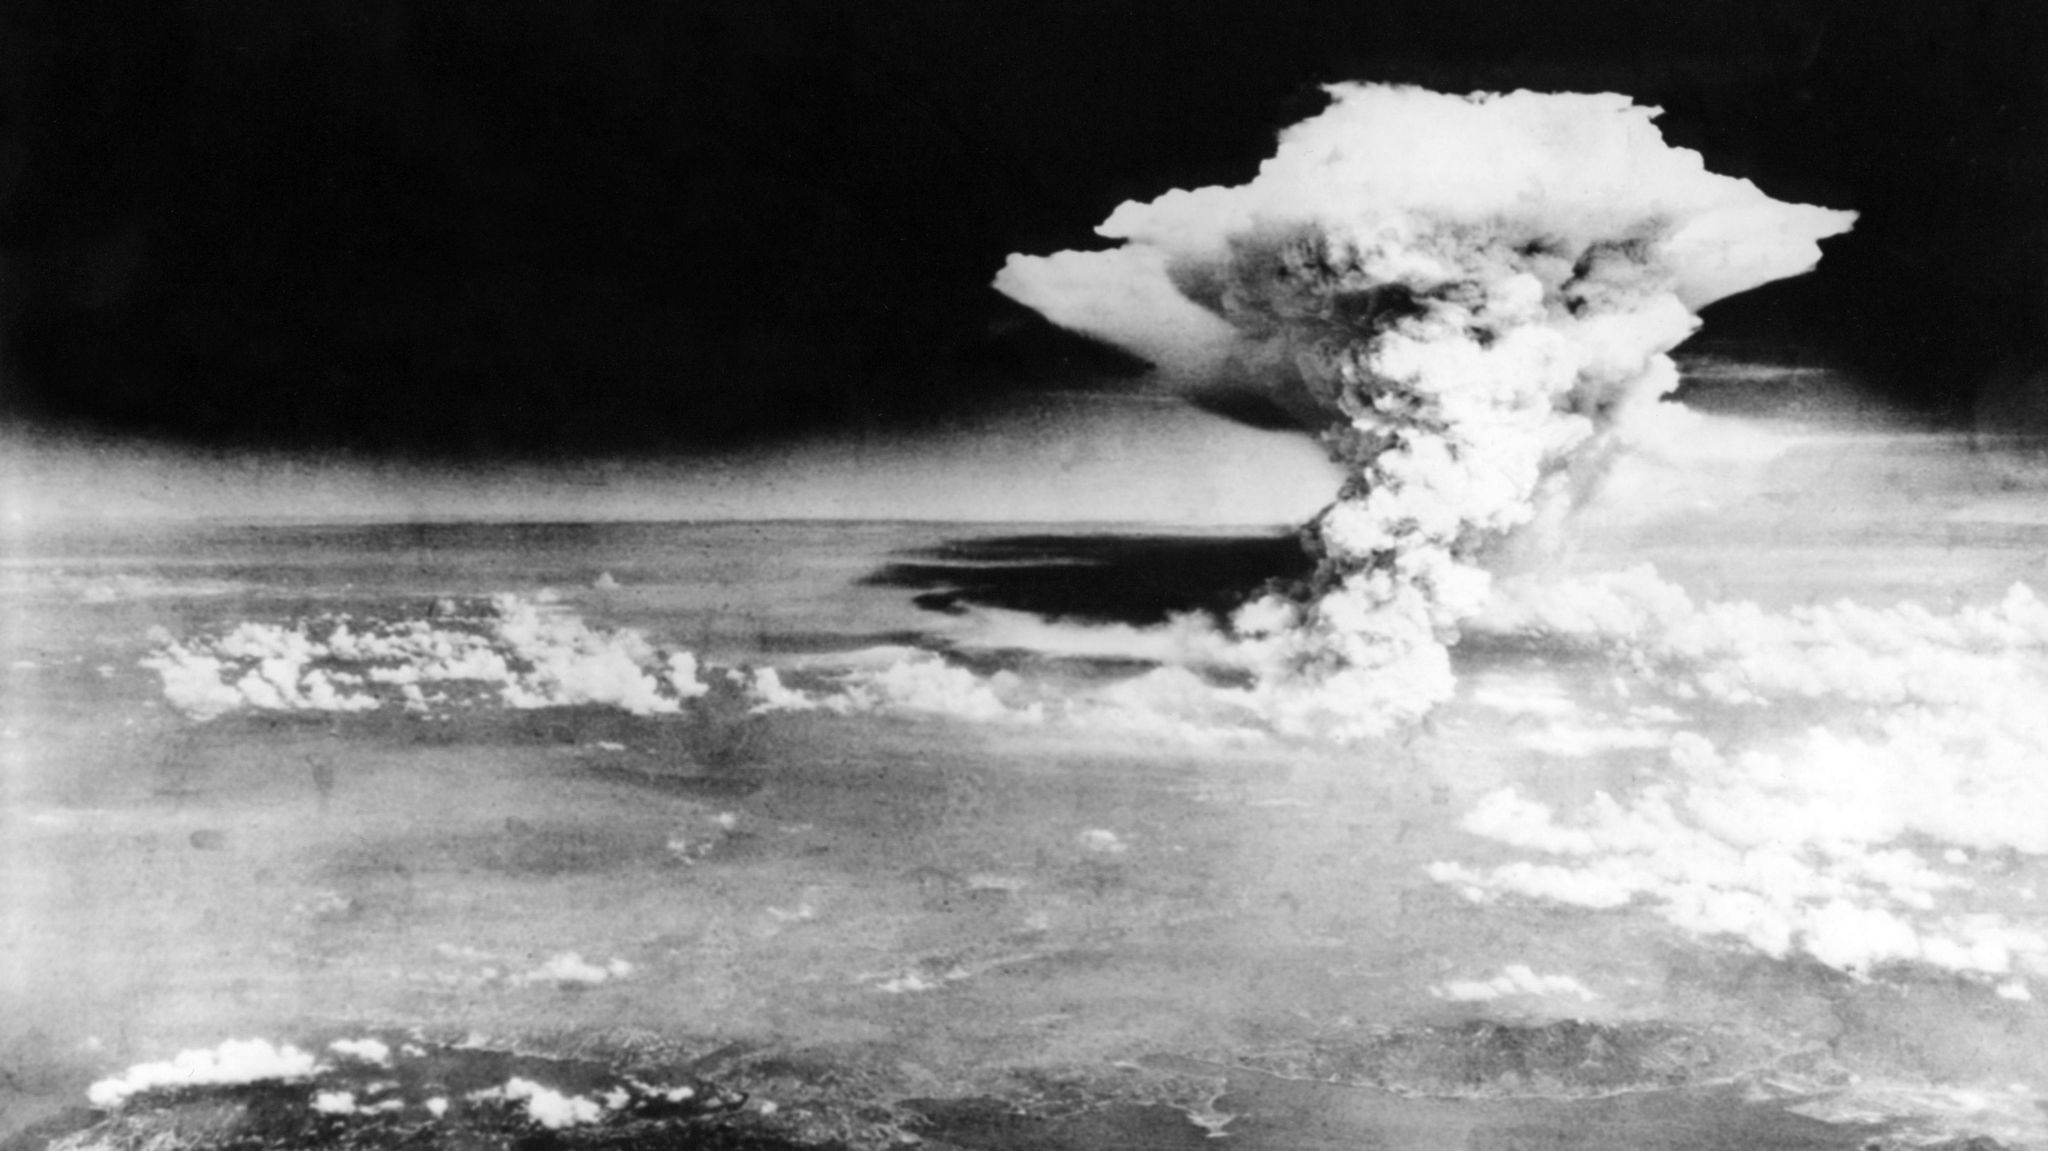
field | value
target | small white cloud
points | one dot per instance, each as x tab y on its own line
370	1051
1103	841
334	1102
570	968
551	1108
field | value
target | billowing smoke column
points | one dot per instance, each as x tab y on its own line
1470	297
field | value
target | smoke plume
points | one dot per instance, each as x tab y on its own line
1469	298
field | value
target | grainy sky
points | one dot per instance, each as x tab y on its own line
519	229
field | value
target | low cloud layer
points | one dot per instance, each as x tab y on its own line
1871	770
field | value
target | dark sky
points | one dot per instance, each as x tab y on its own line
516	227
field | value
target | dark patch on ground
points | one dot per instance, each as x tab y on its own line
831	642
45	1132
528	848
1562	1059
1087	669
1133	579
517	847
1268	1112
993	1125
723	786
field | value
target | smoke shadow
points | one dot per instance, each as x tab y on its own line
1131	579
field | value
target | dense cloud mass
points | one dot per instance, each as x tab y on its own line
513	651
1466	296
1806	835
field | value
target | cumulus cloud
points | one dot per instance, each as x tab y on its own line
371	1051
1471	294
1797	849
553	1109
334	1102
522	652
194	682
1867	753
233	1062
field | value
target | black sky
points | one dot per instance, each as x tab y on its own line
519	227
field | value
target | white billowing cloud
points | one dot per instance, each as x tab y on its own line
573	664
1476	292
1817	835
373	1080
682	676
193	682
545	1106
771	694
233	1062
896	680
524	652
1586	167
1790	850
913	680
334	1102
554	1109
